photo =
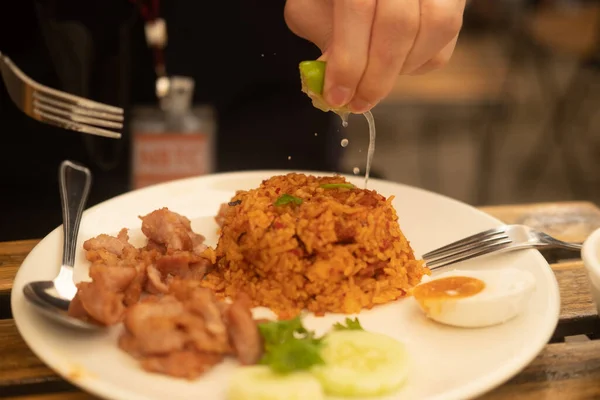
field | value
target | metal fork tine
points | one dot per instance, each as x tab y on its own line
47	109
80	101
76	100
488	241
497	240
62	122
468	254
49	101
58	108
466	241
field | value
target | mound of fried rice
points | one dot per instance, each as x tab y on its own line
339	250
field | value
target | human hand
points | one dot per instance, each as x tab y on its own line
368	43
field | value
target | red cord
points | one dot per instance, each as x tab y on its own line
149	13
155	5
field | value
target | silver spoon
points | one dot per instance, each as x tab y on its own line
52	298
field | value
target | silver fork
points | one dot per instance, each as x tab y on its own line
501	239
58	108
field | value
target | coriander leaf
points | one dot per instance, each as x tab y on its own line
293	355
276	332
287	199
351	325
289	346
338	185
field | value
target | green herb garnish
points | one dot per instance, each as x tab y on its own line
338	185
289	346
287	199
351	325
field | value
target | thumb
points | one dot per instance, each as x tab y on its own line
310	20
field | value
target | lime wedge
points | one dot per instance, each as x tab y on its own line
312	76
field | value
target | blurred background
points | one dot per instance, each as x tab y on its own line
513	118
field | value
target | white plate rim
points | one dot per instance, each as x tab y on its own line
472	390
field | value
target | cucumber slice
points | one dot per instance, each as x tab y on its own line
360	363
258	382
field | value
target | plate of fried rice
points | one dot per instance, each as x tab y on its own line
181	273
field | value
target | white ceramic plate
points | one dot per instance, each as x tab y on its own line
447	363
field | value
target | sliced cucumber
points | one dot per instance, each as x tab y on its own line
260	383
360	363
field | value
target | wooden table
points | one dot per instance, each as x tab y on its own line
568	367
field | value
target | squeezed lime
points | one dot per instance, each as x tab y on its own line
312	77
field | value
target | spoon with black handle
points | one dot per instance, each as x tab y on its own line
52	298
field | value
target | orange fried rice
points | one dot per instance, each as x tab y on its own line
333	249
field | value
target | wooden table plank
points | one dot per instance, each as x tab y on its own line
19	363
561	371
12	255
20	370
578	314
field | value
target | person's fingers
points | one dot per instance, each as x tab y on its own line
441	20
347	55
437	61
395	27
310	20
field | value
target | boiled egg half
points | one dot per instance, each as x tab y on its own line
474	299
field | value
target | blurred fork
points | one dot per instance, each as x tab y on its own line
58	108
501	239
